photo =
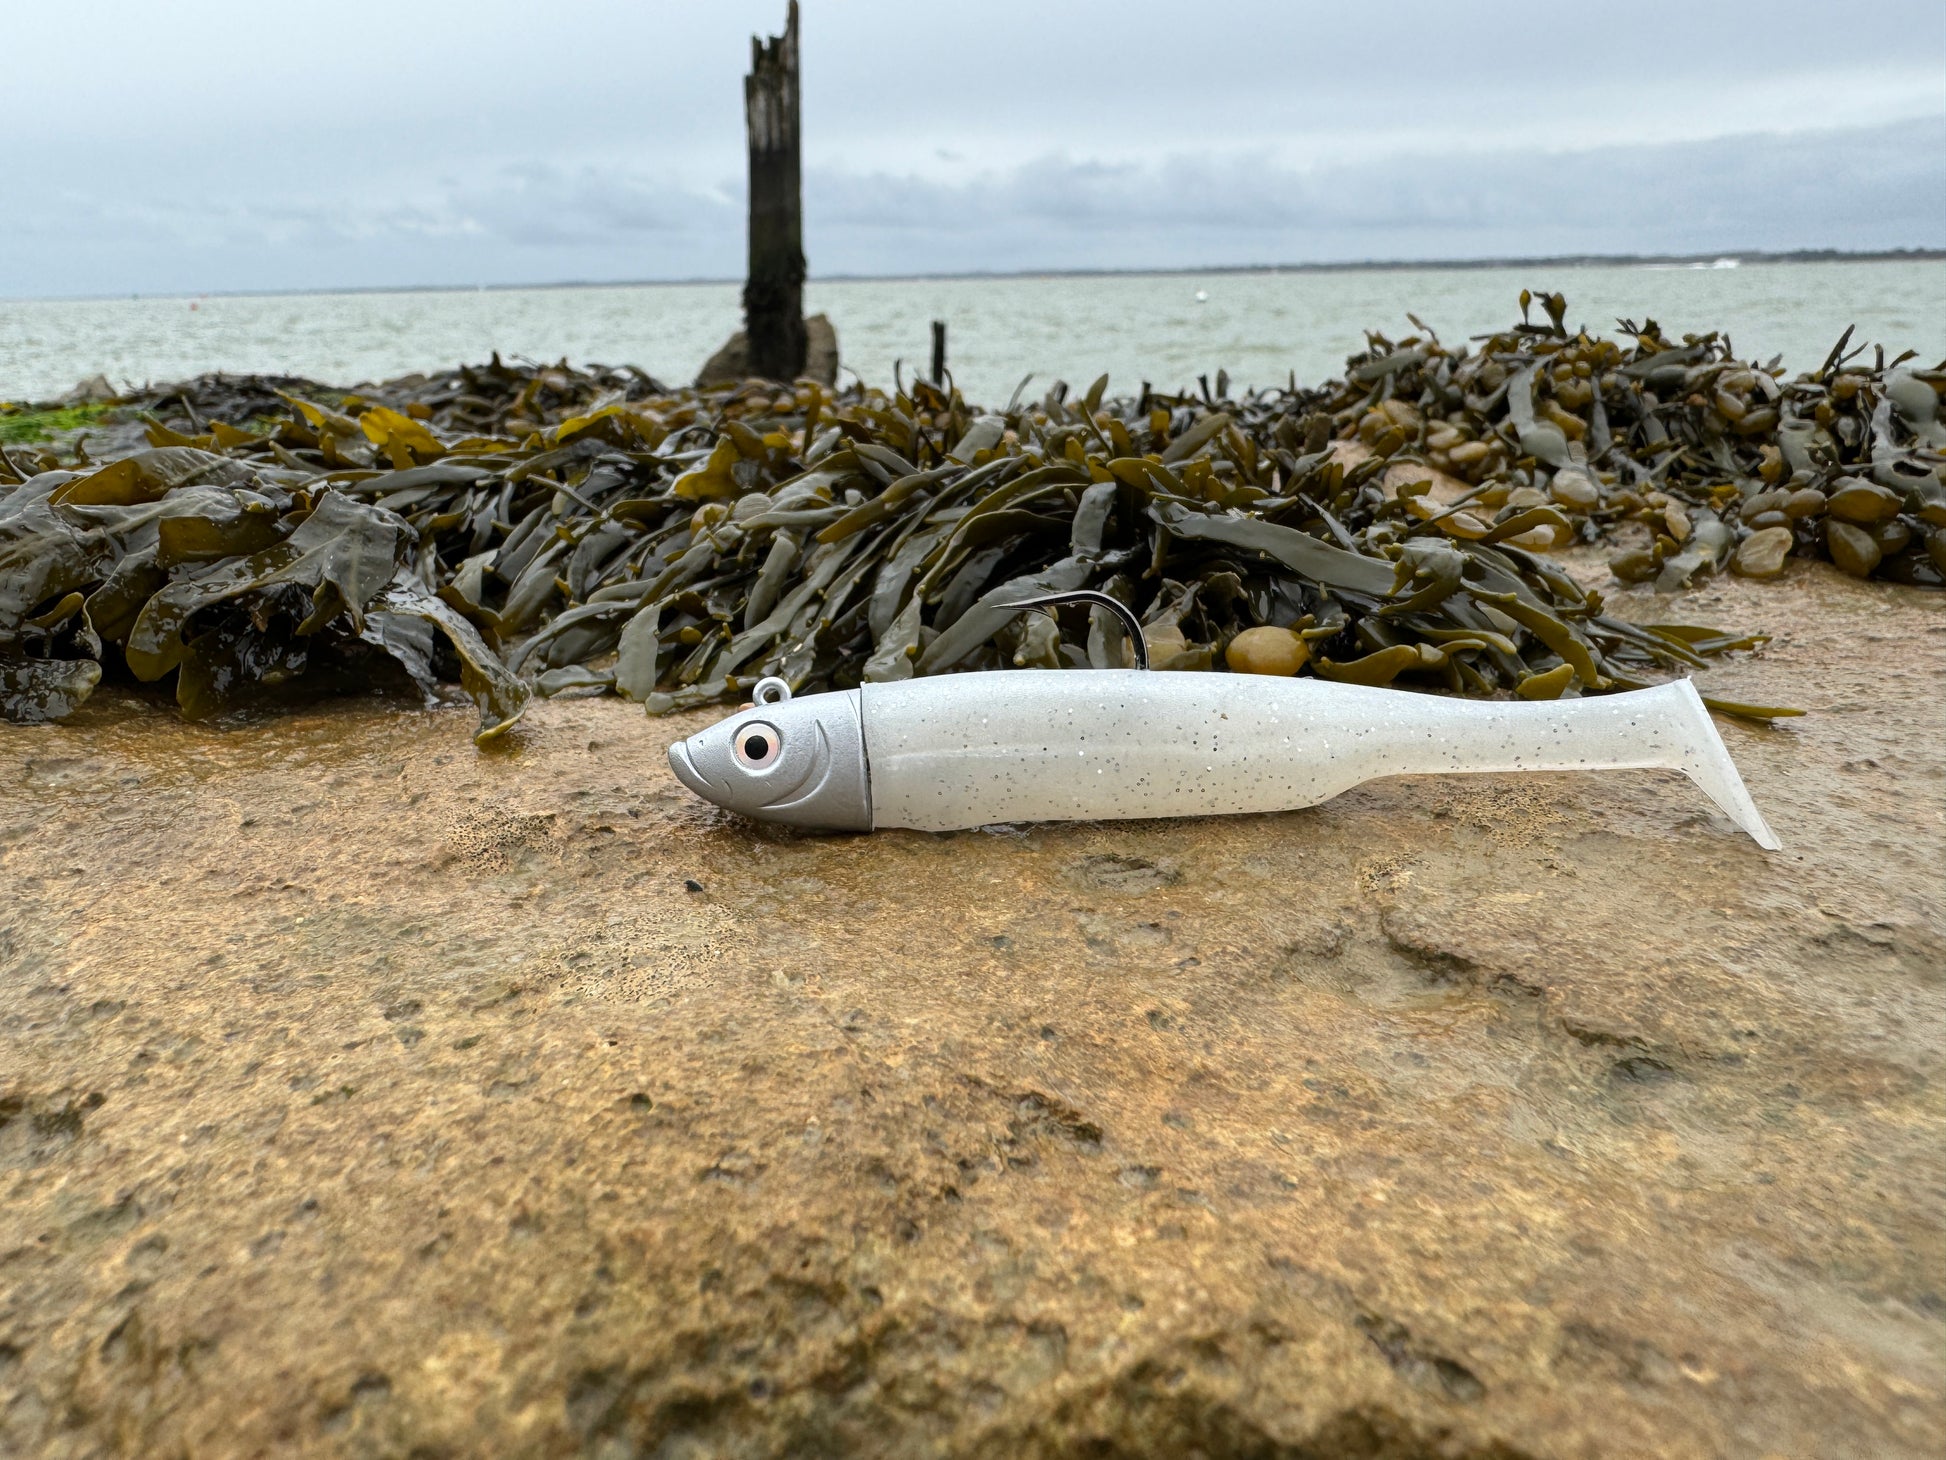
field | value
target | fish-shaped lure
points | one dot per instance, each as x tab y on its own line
962	750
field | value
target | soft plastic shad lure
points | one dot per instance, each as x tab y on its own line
1085	745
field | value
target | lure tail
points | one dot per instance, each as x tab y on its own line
1703	757
1667	727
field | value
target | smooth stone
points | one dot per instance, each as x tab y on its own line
1638	565
1865	503
1267	650
1892	537
1763	553
1573	487
1852	548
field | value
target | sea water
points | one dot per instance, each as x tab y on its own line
1165	329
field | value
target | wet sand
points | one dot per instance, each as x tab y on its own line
362	1095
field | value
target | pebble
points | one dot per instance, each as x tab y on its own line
1762	554
1573	487
1892	537
1267	650
1865	503
1804	502
1634	566
1851	548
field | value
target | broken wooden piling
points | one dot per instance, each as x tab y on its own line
773	291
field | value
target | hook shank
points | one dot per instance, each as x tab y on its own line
1137	644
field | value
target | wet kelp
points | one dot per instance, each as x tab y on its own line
522	529
1722	462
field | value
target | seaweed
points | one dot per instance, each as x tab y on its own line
1676	451
536	529
20	425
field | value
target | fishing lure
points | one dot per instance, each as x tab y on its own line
961	750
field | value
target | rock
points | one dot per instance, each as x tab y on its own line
1936	547
1574	487
1267	650
1446	489
1865	503
94	391
1929	501
731	364
1762	554
363	1095
1851	548
1637	565
1892	537
1804	502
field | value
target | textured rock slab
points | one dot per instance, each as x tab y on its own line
361	1094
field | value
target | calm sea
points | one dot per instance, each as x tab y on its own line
1162	328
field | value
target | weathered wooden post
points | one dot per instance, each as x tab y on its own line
773	292
939	353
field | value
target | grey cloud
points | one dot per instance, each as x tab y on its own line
536	204
1864	188
536	219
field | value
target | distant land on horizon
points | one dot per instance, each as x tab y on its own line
1724	258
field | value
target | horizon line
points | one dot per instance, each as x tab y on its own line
1728	257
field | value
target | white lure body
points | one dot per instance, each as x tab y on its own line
963	750
1095	745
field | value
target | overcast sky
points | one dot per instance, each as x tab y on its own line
206	145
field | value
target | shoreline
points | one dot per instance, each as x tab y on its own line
1717	258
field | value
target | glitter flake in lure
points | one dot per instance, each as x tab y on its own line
954	751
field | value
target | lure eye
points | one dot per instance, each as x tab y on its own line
758	745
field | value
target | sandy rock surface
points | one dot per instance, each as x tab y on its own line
364	1095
